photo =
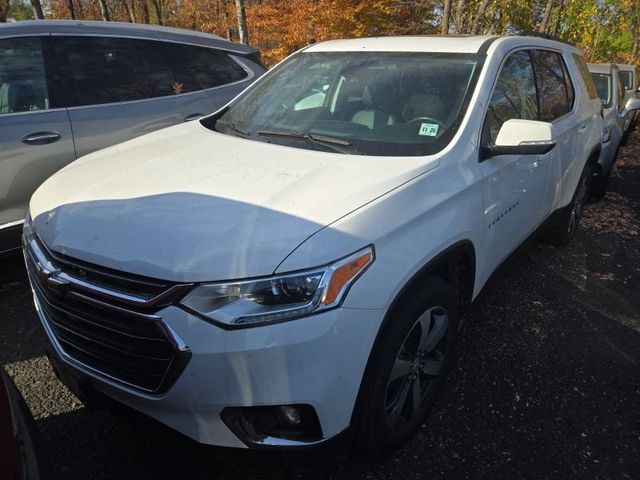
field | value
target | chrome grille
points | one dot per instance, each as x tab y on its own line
111	332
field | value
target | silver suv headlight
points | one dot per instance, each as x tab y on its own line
279	298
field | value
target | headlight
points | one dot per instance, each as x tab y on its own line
279	298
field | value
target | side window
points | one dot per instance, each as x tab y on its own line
571	91
23	84
514	95
208	66
604	87
552	86
109	70
627	79
586	77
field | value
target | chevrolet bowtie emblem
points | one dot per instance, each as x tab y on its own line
50	278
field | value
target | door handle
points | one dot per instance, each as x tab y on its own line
40	138
582	128
193	116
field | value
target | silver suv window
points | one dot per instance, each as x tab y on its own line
23	84
604	88
112	69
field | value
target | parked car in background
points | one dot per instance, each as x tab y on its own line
629	75
68	88
296	265
23	455
616	115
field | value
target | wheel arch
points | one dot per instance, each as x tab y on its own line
592	159
456	265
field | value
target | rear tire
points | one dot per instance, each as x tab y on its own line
570	218
599	185
407	366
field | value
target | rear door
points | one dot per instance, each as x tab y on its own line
35	132
124	88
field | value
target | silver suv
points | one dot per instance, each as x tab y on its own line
69	88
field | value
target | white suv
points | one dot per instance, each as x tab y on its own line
296	265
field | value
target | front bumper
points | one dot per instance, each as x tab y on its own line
318	361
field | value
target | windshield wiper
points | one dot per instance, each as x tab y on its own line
234	128
337	144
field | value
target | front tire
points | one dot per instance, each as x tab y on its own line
407	366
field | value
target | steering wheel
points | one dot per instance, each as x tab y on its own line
428	119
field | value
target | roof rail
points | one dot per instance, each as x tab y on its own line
531	33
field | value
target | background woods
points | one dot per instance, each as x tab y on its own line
607	30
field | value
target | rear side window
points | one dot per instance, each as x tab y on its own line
514	95
23	84
108	70
554	90
209	67
585	75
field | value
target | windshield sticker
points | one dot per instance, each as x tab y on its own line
428	129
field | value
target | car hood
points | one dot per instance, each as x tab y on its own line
189	204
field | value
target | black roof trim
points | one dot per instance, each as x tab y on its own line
546	36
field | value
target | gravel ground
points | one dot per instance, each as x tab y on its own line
546	383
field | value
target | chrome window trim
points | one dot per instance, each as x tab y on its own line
2	37
14	223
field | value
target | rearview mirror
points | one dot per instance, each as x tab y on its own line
521	137
632	104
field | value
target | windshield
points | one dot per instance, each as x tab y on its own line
603	87
378	103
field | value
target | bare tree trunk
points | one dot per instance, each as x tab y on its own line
37	9
482	9
446	16
545	19
156	8
4	10
242	22
70	10
104	11
130	11
459	16
227	21
145	12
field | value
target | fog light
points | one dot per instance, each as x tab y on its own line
256	425
290	414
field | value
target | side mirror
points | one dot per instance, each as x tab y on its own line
632	104
521	137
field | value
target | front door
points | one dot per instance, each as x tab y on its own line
35	138
514	186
